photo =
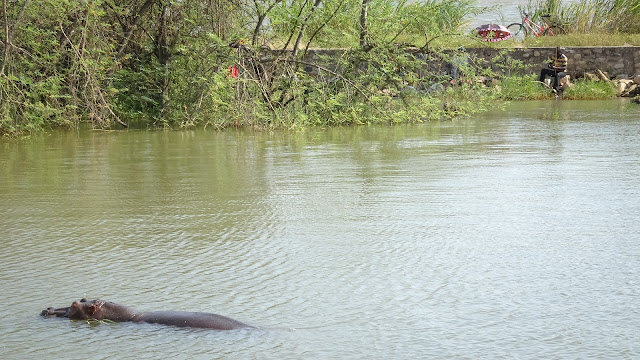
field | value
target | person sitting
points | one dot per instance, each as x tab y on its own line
557	68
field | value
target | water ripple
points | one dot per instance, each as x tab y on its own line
510	237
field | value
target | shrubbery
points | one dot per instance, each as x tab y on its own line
162	63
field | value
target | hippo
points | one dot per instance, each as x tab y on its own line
106	310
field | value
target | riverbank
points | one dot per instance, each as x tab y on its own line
341	87
617	67
61	68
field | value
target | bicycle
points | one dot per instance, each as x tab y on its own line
528	26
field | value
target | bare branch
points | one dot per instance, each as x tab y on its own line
5	55
350	82
90	81
315	33
297	19
261	17
303	28
364	19
132	26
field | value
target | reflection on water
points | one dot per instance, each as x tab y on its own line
511	235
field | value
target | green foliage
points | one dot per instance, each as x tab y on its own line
523	88
164	63
528	88
56	65
137	96
590	90
336	23
31	93
414	20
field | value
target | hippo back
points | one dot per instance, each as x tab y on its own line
191	319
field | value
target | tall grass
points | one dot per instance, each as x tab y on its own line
590	16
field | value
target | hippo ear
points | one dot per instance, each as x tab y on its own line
91	309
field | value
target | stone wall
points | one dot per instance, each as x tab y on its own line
617	61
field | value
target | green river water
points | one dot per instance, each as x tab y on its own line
512	234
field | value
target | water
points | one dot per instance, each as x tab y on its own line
500	12
503	12
513	234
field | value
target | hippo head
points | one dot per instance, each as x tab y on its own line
99	310
84	309
59	312
92	309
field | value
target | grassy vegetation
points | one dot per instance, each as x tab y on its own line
589	90
518	87
523	88
566	40
590	39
